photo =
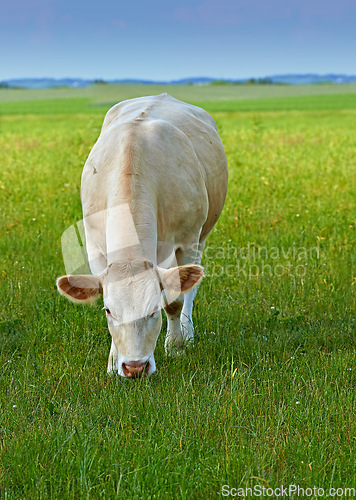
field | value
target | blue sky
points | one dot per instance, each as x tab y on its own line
168	39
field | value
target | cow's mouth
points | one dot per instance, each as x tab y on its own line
136	369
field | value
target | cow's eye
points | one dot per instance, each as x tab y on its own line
107	311
153	314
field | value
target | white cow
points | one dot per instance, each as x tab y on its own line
152	189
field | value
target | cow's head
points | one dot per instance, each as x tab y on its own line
133	293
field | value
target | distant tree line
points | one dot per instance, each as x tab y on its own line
250	81
260	81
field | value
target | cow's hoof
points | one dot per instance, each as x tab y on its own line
178	349
175	352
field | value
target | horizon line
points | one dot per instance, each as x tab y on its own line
99	78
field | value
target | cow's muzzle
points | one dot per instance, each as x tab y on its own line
136	369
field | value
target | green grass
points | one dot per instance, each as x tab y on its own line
296	103
267	395
47	106
115	93
234	98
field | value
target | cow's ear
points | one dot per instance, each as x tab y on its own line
181	279
81	288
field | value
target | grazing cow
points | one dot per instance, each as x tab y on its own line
152	189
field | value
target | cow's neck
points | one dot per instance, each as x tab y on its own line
132	229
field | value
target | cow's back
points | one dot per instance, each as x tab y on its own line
162	107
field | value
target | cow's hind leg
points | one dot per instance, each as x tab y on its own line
174	338
186	315
180	330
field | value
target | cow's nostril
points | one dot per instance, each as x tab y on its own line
135	369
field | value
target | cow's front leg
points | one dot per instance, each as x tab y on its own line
174	338
113	359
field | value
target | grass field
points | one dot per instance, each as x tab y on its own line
267	395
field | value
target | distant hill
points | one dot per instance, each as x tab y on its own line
306	79
311	79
